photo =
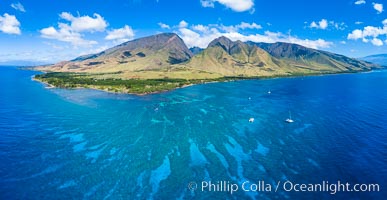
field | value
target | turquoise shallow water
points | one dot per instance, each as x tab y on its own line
86	144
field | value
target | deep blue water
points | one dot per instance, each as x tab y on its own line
86	144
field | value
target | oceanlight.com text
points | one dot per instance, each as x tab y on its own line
287	186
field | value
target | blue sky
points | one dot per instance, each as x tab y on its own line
51	31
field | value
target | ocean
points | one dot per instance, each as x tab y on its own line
196	142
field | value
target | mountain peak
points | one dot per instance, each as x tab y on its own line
153	51
153	41
221	41
165	51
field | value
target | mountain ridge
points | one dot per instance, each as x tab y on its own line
166	58
380	59
224	57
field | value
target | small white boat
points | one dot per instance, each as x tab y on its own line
289	120
269	92
251	120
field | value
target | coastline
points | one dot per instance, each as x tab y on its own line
106	88
93	87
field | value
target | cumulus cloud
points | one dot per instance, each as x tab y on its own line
244	25
378	7
164	26
122	34
202	35
200	28
359	2
9	24
377	42
85	23
241	26
183	24
18	6
65	34
356	34
235	5
323	24
71	31
370	34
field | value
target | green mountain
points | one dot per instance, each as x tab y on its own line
228	58
166	56
301	57
380	59
153	53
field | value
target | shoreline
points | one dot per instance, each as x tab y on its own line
201	81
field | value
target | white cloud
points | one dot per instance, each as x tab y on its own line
356	34
200	28
183	24
338	26
378	7
164	26
194	39
122	34
85	23
370	34
207	3
343	42
202	35
9	24
359	2
322	24
72	32
313	25
235	5
65	34
358	22
377	42
18	6
241	26
244	25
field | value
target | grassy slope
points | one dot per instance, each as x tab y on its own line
153	72
147	83
117	79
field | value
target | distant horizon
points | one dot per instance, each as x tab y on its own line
29	31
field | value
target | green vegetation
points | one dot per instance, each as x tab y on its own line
136	86
139	86
163	62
